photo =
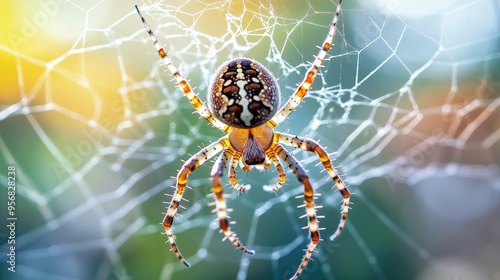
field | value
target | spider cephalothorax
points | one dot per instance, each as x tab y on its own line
243	94
243	102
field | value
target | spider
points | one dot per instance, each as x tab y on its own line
243	102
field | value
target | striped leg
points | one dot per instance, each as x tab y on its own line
232	174
220	203
312	146
183	83
282	175
304	86
302	176
188	167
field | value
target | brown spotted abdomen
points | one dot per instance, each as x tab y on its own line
243	94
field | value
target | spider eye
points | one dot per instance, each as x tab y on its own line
243	94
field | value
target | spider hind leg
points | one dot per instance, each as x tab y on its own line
183	83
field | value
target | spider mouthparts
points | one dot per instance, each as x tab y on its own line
253	153
254	161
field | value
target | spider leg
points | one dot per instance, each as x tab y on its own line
302	176
282	175
232	174
220	203
189	166
183	83
313	146
304	86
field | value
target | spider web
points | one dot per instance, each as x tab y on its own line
409	99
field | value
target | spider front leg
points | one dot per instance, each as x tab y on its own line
220	203
232	174
302	176
282	175
313	146
189	166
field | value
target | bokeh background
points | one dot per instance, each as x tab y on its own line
408	99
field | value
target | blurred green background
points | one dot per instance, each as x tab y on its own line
408	99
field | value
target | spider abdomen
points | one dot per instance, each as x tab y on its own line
243	94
